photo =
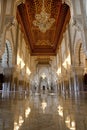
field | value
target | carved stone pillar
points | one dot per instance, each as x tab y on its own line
84	37
2	28
70	83
7	25
3	13
81	24
78	78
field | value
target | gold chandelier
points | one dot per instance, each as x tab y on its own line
43	20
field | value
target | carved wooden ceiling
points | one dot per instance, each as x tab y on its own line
43	43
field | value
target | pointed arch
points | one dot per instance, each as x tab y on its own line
7	56
79	54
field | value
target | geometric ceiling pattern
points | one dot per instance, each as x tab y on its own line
43	43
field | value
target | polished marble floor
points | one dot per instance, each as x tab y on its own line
45	111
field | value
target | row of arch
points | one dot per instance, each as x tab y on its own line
79	55
6	60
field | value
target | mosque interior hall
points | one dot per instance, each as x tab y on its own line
43	64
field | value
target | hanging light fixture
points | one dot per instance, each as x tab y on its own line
43	20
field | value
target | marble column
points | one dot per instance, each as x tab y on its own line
78	81
84	25
3	13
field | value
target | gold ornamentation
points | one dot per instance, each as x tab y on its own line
44	42
43	20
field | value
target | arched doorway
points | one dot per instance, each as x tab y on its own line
80	64
6	63
43	84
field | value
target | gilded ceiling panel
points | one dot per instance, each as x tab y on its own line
43	23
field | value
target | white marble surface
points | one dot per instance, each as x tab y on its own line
43	112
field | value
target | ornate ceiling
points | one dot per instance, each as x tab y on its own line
48	42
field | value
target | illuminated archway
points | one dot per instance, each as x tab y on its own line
7	56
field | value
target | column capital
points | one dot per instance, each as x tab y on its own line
9	19
77	23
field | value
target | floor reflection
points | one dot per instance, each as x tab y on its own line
20	111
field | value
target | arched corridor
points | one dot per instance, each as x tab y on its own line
43	64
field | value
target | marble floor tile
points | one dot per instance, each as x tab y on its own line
43	112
